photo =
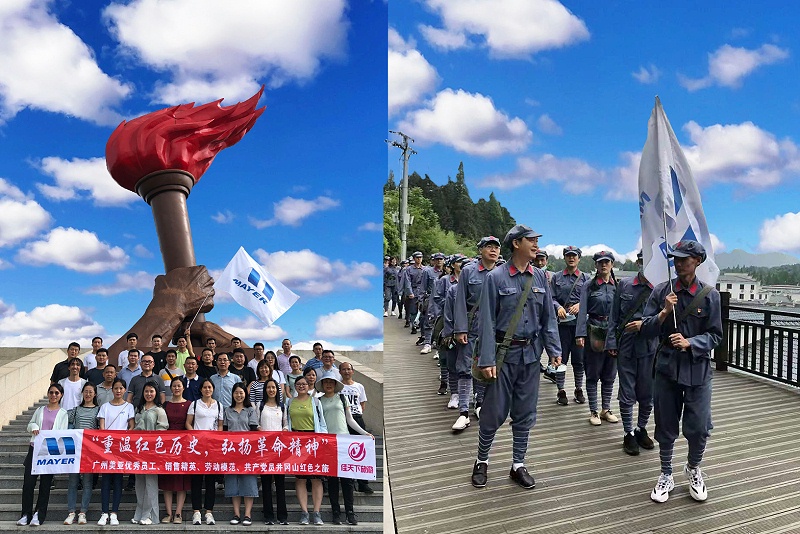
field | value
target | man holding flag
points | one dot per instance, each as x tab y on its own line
683	313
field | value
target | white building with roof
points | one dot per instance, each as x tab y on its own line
742	287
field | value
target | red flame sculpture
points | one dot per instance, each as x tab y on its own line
183	137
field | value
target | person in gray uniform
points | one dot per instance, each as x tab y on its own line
597	297
634	353
403	303
412	289
467	309
566	287
433	309
460	377
514	381
391	272
682	384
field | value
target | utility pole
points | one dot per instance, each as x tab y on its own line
405	218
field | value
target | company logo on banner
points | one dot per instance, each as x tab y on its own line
356	457
57	452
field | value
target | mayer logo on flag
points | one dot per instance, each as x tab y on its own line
254	288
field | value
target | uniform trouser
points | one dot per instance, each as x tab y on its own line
515	392
347	492
72	491
570	349
146	498
280	497
411	308
599	366
198	503
673	401
449	359
389	295
29	484
462	369
635	385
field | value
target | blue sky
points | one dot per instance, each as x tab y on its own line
301	192
547	104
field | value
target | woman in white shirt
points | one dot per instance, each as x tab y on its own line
204	414
273	419
115	414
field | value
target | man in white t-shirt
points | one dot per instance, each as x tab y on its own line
357	396
72	385
90	358
132	340
258	355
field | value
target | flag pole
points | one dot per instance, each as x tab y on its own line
669	274
201	307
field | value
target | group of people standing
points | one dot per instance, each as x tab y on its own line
221	392
494	320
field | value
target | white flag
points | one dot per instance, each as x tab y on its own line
667	190
254	288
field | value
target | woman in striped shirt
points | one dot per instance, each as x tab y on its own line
82	416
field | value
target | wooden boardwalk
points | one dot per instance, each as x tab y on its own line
584	481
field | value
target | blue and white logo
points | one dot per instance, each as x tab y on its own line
261	284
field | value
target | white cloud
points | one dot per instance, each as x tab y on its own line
349	324
142	251
309	345
548	126
9	190
647	75
253	329
77	175
739	153
45	66
729	65
410	78
139	281
225	52
371	227
468	122
53	325
291	211
780	234
717	245
396	41
575	175
444	39
77	250
20	218
308	272
4	265
223	217
509	28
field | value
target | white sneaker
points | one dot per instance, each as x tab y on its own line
135	521
196	519
664	485
210	519
35	520
70	518
103	520
146	521
608	416
394	313
453	404
594	420
22	521
81	518
386	314
697	487
426	349
112	520
461	423
478	412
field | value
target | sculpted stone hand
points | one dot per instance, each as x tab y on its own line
177	296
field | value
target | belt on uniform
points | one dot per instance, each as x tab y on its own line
499	337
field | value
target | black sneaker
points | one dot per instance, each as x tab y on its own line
562	398
643	439
351	518
413	330
407	325
442	388
364	488
479	474
550	376
579	398
420	341
629	445
522	477
337	518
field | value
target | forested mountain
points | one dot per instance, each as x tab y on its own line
445	217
